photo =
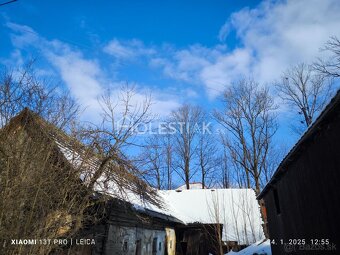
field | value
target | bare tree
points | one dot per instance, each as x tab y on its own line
35	190
275	156
47	177
23	88
187	122
250	124
305	91
122	116
169	158
153	158
234	175
207	158
157	159
41	195
223	161
331	66
47	183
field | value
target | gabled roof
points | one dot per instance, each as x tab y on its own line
78	156
331	110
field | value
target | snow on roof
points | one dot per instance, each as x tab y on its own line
236	209
79	159
261	247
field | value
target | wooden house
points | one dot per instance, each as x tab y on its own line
303	196
122	224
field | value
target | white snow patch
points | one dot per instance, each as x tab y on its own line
261	248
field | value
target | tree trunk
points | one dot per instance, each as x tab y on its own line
186	170
203	180
169	168
248	179
203	175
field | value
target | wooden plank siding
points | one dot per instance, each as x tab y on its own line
308	192
133	232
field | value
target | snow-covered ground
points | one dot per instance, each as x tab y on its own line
259	248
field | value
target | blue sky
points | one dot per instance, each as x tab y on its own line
180	51
155	22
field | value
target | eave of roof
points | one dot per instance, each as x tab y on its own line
165	217
281	170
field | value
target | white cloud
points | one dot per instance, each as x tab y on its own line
15	59
186	64
282	34
81	76
127	49
161	103
84	77
272	37
224	70
23	34
116	49
224	31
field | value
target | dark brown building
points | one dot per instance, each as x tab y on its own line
303	196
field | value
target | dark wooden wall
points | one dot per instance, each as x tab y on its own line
198	239
117	219
308	194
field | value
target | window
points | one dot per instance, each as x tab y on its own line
154	246
138	247
160	246
277	202
125	246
